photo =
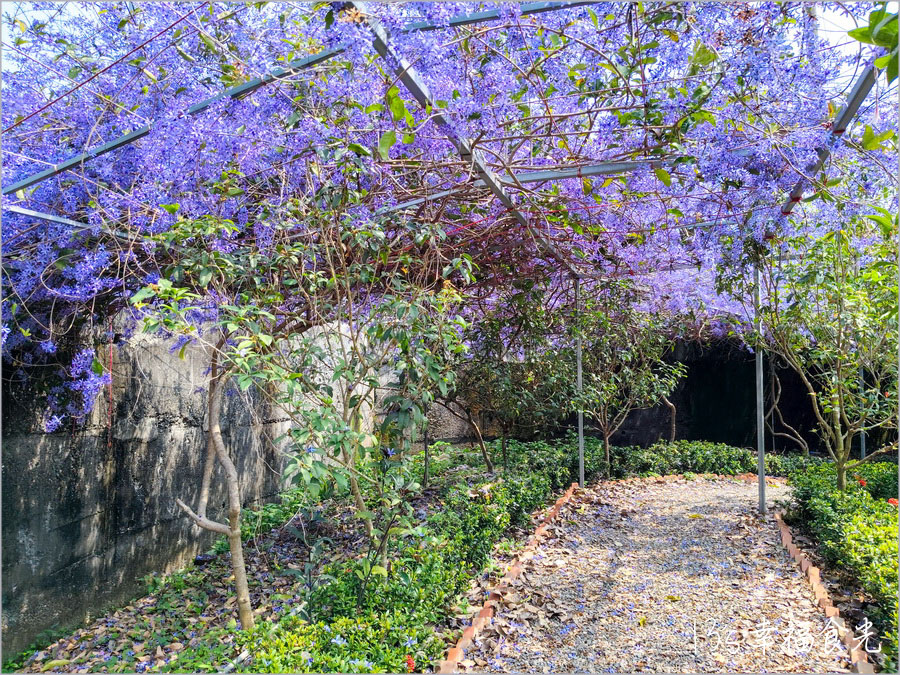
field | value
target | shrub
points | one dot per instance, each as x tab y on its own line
856	530
364	644
880	477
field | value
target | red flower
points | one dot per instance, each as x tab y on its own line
862	482
892	501
410	663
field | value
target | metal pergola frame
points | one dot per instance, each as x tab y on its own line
416	86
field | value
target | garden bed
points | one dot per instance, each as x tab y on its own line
852	537
317	608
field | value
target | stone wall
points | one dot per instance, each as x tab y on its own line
87	514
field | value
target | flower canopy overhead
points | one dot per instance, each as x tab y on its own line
543	139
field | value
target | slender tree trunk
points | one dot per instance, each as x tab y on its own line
215	448
471	421
358	500
484	451
505	453
606	449
245	608
672	409
427	457
350	461
841	469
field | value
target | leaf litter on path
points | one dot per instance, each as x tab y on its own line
660	575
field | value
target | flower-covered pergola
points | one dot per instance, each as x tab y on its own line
575	141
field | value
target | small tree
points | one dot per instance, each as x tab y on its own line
623	362
513	368
830	314
315	321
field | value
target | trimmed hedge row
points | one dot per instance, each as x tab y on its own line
856	530
561	458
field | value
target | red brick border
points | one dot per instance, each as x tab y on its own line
485	615
858	660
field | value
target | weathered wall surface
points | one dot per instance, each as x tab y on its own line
87	514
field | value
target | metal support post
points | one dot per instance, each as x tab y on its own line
760	413
580	386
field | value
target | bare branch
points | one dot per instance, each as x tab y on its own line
205	523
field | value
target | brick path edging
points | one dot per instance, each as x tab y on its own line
485	615
858	660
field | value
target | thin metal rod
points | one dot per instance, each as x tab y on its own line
601	169
760	413
860	90
862	433
580	385
77	226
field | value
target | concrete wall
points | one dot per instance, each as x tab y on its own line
86	514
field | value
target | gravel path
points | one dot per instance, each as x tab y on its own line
661	575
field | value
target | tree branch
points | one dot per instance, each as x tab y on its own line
205	523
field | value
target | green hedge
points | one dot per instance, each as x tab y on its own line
856	530
560	459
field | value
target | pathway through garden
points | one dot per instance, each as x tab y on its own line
667	575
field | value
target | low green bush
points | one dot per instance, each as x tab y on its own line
880	479
856	530
559	459
373	643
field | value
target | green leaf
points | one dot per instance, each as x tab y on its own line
143	294
171	208
360	150
96	366
209	42
204	277
378	569
398	108
863	34
663	176
387	141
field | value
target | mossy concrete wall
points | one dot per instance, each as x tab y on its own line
88	512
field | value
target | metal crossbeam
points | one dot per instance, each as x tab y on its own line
481	17
413	82
76	225
602	169
245	88
860	90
